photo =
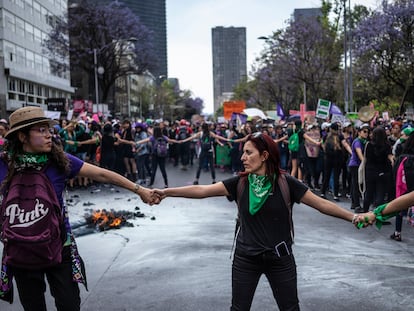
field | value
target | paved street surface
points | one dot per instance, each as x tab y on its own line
180	259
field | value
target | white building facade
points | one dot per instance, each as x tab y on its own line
27	75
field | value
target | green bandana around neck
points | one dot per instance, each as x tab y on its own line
259	189
28	160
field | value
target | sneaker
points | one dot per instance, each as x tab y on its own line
195	182
213	182
336	199
322	196
166	186
396	236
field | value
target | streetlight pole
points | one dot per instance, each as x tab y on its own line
129	94
95	63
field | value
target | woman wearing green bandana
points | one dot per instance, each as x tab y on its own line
31	152
264	239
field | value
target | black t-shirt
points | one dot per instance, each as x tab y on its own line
270	225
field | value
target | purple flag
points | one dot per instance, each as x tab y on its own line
238	119
335	109
279	111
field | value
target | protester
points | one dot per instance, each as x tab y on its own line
264	239
207	154
31	150
378	170
332	161
159	146
357	155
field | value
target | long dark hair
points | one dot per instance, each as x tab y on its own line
14	148
157	132
264	142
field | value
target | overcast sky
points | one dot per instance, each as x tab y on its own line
189	24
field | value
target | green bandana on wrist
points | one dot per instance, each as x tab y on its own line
259	189
380	219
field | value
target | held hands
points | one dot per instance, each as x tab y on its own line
363	220
151	196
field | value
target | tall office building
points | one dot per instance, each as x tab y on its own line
27	75
229	60
152	14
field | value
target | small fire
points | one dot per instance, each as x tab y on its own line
105	220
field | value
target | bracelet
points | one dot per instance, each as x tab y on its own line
354	218
136	188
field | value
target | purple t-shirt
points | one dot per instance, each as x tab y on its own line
57	178
354	160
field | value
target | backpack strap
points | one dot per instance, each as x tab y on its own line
284	189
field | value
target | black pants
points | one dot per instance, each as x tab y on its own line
206	156
355	193
31	286
156	160
280	272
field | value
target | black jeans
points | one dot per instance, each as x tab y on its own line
280	272
206	156
156	160
31	286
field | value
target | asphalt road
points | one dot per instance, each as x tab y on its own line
177	257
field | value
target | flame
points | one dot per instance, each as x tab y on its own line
104	218
116	222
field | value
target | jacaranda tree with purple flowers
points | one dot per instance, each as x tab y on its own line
384	49
123	45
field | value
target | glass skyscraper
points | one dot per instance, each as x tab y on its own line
229	60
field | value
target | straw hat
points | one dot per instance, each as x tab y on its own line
26	117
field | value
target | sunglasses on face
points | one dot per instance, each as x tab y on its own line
44	131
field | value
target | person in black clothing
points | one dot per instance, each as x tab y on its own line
206	138
264	238
108	143
333	160
156	160
378	169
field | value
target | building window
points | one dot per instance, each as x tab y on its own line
38	62
20	3
29	59
29	6
37	35
28	31
21	86
12	85
10	51
30	88
20	27
46	65
10	22
44	13
20	59
39	90
36	10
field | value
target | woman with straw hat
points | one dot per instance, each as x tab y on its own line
30	147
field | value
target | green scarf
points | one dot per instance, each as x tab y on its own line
259	189
31	160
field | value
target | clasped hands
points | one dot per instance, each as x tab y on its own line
152	196
363	220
